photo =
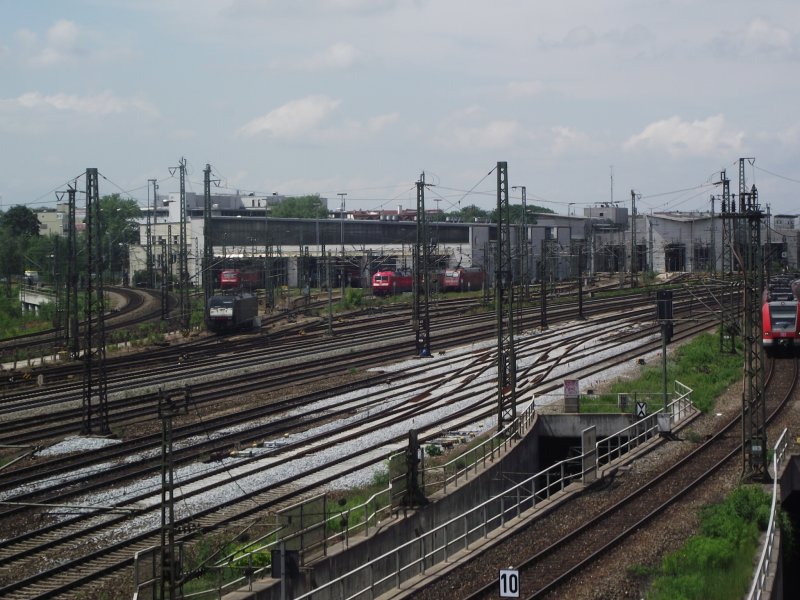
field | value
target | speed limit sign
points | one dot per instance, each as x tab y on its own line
509	583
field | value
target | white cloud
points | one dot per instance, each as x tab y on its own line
469	129
105	103
380	122
521	89
61	44
354	130
341	55
759	38
263	10
494	134
709	137
566	140
293	118
579	37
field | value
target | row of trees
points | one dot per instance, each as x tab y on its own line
24	249
311	207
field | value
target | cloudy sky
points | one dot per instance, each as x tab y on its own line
584	99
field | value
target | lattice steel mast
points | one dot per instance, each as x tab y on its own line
729	309
71	336
208	245
184	306
420	277
754	431
151	215
95	414
504	306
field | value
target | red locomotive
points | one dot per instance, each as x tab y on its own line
463	279
386	283
237	278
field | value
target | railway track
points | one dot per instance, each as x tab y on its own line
64	577
550	564
23	422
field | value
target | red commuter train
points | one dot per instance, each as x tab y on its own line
386	283
780	315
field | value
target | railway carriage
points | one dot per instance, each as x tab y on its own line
463	279
230	279
780	315
232	312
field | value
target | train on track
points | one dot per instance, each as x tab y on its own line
387	283
239	278
462	279
232	312
780	314
459	279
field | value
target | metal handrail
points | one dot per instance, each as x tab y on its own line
759	585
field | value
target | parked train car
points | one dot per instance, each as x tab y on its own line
780	315
463	279
386	283
232	312
238	278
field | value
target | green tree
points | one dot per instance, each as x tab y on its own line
19	226
300	207
20	221
471	213
515	213
119	229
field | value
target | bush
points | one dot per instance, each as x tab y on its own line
353	298
717	563
433	450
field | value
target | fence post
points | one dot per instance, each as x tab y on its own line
325	525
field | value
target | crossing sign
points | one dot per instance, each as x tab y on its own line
641	410
509	583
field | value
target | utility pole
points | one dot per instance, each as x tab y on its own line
543	290
151	215
728	309
71	337
341	236
713	250
95	415
634	248
523	241
504	307
420	276
580	245
184	305
754	416
168	409
208	242
330	291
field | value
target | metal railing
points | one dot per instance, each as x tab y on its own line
636	434
415	556
439	544
442	542
459	469
760	579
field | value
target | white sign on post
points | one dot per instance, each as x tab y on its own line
641	410
509	583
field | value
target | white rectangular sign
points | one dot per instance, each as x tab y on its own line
509	583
